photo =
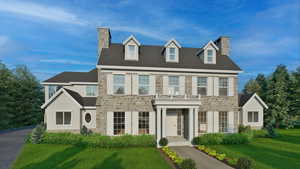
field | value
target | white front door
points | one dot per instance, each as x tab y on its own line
172	122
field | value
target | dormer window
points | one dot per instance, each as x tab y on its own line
208	53
210	56
172	51
131	46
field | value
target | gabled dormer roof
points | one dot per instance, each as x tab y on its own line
131	37
173	41
207	45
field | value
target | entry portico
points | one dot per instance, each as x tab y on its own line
179	114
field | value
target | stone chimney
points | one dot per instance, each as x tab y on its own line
104	38
223	44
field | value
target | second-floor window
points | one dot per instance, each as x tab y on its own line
119	84
131	49
144	84
53	89
91	90
172	54
223	86
202	85
209	56
174	85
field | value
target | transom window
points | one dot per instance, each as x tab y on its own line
131	49
223	122
119	84
144	84
91	90
223	86
209	55
172	54
143	122
202	85
174	85
53	89
119	123
202	122
252	116
63	118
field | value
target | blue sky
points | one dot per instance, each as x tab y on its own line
60	35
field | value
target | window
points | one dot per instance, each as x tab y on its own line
144	84
210	56
179	124
202	122
119	83
53	89
131	49
252	116
202	85
91	90
143	122
174	85
223	122
223	86
63	118
119	123
172	54
88	117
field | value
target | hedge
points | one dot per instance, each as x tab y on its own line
219	138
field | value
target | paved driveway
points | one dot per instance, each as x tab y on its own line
11	143
202	160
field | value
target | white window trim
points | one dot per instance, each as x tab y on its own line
227	87
113	85
131	40
253	122
197	85
96	94
149	84
169	86
66	125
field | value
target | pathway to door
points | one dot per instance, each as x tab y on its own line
202	160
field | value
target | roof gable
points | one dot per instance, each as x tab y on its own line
173	41
131	37
245	98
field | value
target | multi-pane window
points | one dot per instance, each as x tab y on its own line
223	122
202	122
119	123
91	90
53	89
119	84
174	85
223	86
63	118
144	84
209	55
143	122
179	124
252	116
172	54
202	85
131	49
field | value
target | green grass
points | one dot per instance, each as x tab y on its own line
278	153
45	156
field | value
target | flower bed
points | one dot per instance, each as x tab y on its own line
219	156
172	155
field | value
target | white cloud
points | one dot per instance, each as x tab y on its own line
66	61
37	10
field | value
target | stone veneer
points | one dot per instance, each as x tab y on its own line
109	103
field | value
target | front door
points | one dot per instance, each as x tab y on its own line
174	122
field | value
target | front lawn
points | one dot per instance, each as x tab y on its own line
280	153
46	156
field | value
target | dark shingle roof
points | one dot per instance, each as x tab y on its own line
66	77
243	98
83	101
153	56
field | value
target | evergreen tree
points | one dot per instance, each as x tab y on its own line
294	93
252	86
262	82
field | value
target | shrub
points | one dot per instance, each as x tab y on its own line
37	134
221	156
163	142
212	153
237	138
201	147
259	133
245	163
97	140
232	161
187	164
210	139
244	129
85	131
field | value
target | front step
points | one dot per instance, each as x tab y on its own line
180	143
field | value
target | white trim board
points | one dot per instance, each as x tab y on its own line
69	83
259	100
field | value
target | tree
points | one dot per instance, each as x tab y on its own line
277	96
263	83
251	86
294	93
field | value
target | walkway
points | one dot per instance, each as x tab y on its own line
202	160
11	143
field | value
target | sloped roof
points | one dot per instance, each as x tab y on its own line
153	56
83	101
243	98
66	77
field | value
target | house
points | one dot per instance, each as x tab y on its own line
164	90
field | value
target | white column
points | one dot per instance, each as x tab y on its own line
191	120
158	124
163	127
216	122
196	122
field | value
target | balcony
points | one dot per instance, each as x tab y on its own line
186	100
